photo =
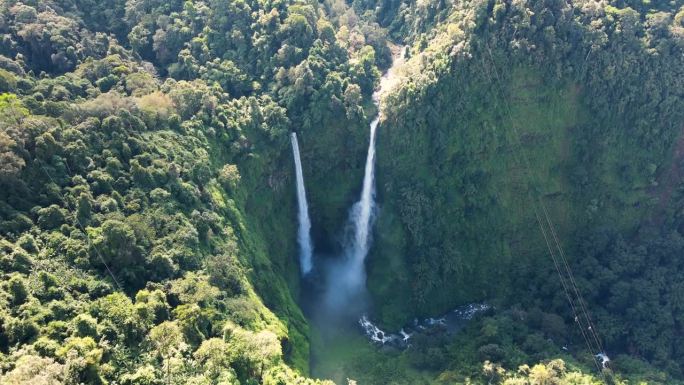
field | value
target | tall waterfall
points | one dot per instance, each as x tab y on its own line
304	233
346	280
360	218
344	294
361	215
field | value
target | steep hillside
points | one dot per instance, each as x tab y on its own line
504	105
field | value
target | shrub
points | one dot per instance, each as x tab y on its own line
16	286
50	217
229	176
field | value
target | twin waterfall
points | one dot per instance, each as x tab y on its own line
360	220
304	233
344	278
339	292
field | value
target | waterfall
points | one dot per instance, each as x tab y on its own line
367	201
345	294
304	232
347	280
360	218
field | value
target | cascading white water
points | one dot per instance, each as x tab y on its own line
304	233
361	215
360	218
347	279
450	323
367	202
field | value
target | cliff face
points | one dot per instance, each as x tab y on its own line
506	104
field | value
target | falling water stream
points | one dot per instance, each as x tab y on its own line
339	283
304	233
346	284
360	220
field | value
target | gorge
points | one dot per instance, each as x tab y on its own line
242	192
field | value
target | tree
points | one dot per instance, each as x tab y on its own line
10	162
194	288
231	78
144	375
17	289
34	370
352	100
8	83
229	176
168	341
541	375
52	42
152	306
264	350
364	72
296	29
85	325
83	357
225	271
215	355
116	241
256	352
12	114
12	111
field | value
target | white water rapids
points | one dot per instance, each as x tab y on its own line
304	233
450	323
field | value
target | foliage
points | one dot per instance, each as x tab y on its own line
136	138
504	106
145	205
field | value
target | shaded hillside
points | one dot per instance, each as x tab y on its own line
503	104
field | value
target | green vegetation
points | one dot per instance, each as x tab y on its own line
144	206
505	103
147	206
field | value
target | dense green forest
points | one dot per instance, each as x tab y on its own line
148	209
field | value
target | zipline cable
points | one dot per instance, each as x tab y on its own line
594	343
82	228
583	305
564	285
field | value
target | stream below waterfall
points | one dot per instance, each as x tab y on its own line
450	323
